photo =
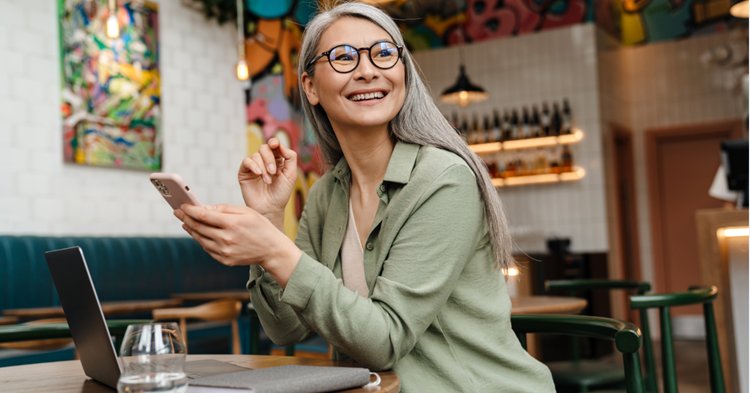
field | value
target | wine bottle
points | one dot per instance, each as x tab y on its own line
545	119
536	127
567	118
486	129
497	133
525	123
556	122
507	128
566	159
515	130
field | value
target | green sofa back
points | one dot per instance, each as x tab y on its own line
122	268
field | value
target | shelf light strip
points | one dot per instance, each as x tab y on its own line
576	174
492	147
733	232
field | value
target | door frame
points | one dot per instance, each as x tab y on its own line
653	137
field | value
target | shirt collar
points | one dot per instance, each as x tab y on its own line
399	168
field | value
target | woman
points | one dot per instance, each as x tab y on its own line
398	256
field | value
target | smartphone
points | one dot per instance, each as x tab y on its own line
174	190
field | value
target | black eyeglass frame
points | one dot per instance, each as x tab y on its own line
326	54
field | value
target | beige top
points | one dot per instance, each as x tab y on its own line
353	258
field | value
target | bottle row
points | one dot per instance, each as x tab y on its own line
537	162
528	123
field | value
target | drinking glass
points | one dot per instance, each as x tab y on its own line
153	357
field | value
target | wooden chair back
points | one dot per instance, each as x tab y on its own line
224	310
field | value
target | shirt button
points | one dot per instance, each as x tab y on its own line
369	246
382	188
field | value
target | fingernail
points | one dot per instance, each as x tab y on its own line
272	168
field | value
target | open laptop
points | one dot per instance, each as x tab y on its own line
87	324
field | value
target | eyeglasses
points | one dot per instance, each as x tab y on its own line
345	58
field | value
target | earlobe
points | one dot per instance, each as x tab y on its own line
309	87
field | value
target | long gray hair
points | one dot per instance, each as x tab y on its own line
419	121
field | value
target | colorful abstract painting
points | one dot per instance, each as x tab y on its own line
110	86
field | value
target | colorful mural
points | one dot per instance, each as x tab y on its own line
647	21
428	24
110	87
274	37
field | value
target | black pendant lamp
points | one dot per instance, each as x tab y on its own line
463	92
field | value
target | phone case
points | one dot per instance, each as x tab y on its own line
173	189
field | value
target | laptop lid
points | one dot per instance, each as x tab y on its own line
84	314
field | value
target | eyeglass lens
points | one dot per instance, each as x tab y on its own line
345	58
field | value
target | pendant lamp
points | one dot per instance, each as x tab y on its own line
463	92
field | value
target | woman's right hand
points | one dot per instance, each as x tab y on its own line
267	178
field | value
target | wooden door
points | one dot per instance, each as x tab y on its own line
682	162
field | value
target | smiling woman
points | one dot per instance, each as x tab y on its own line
398	258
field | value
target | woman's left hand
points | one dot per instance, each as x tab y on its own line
237	235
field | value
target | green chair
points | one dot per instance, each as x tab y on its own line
586	374
665	302
625	335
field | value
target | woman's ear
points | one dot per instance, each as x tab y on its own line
309	87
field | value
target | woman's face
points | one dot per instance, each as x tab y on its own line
366	98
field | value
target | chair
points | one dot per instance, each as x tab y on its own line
224	310
664	302
585	374
625	335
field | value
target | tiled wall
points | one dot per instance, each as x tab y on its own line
668	84
530	69
203	129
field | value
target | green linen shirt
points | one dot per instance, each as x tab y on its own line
438	313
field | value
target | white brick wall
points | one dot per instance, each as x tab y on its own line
202	127
529	69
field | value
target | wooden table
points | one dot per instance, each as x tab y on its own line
241	295
68	377
108	308
522	305
547	305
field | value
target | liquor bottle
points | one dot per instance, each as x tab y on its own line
566	159
497	133
545	119
454	122
525	123
514	125
567	118
487	130
507	128
536	127
476	134
556	122
465	129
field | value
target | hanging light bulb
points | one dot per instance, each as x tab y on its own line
113	25
242	70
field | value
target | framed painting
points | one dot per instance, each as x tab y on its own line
110	83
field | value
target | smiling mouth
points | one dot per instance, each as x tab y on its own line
374	95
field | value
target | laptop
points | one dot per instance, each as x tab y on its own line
88	327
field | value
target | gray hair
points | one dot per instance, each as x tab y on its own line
419	121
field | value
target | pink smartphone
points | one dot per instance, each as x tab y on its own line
173	189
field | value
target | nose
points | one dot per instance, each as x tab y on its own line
365	69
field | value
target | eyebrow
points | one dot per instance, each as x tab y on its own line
355	46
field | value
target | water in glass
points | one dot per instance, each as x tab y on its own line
153	357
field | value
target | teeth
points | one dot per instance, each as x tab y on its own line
367	96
